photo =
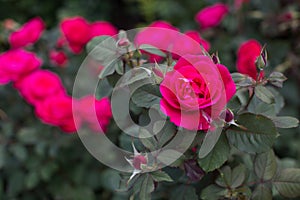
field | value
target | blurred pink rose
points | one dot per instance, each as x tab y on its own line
193	93
76	30
57	111
246	57
159	34
95	113
15	64
211	16
28	34
189	45
102	28
58	58
40	85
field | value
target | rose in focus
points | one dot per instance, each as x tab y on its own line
195	92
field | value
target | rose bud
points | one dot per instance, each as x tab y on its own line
138	161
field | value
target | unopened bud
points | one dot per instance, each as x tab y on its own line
261	61
227	115
123	42
138	161
215	58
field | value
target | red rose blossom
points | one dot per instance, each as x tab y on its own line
29	33
15	64
195	92
189	45
76	30
57	111
95	113
58	58
40	85
159	34
211	16
246	57
102	28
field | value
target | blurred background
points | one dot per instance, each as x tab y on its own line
38	161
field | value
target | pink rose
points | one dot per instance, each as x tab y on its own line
211	16
15	64
195	92
159	34
102	28
95	113
40	85
246	57
189	45
29	33
76	30
58	58
57	111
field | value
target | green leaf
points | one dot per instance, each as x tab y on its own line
147	186
217	156
48	170
147	139
264	94
276	79
279	101
110	179
232	178
110	68
210	140
159	176
32	180
19	151
28	135
285	122
262	192
242	80
104	89
151	49
213	192
146	96
184	192
258	134
166	133
287	182
265	165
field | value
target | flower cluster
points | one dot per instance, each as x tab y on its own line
44	89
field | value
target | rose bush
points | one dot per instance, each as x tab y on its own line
228	131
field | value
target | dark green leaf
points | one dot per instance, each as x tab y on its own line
147	139
262	192
242	80
2	155
277	78
184	192
110	179
147	186
210	140
19	151
285	122
287	183
104	89
265	165
213	192
159	176
32	180
264	94
146	96
232	178
257	135
151	49
217	156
